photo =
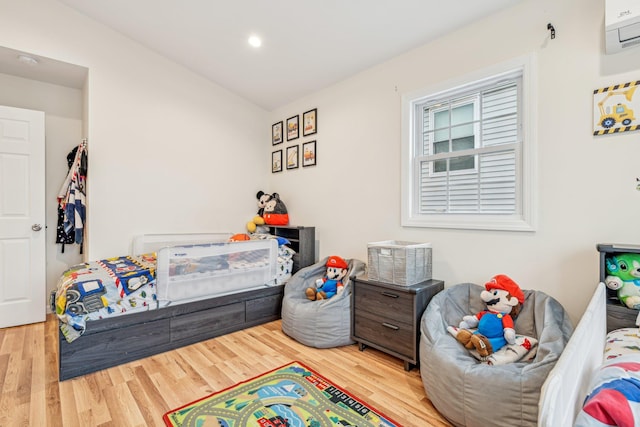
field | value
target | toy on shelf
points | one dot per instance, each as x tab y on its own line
623	276
271	211
257	224
275	211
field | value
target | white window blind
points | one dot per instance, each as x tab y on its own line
467	158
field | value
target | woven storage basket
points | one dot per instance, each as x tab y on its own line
399	263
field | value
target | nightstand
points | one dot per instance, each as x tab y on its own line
387	317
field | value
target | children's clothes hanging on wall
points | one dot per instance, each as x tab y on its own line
72	197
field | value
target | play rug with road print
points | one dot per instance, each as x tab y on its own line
292	395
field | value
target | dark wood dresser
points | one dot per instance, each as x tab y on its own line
387	317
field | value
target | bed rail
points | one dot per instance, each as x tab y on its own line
147	243
567	385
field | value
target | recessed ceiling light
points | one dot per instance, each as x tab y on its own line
255	41
29	60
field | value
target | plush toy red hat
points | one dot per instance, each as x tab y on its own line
336	262
505	283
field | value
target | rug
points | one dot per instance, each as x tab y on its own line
292	395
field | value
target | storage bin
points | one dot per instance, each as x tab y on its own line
399	263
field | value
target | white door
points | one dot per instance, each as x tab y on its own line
22	217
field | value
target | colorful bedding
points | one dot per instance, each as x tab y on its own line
104	288
614	396
285	262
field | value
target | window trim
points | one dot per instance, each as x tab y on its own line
527	196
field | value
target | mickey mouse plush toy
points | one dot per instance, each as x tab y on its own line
503	298
275	211
331	283
256	225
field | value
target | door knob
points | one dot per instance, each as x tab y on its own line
36	227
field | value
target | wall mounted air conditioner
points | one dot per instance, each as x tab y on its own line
622	24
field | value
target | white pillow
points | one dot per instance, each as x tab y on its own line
523	350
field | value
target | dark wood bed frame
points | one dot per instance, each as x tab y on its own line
113	341
117	340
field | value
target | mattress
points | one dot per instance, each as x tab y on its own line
104	288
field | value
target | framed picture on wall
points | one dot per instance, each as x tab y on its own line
309	153
310	122
276	161
613	109
292	157
292	128
276	133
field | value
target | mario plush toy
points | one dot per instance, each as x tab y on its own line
331	283
503	298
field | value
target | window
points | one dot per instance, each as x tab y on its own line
467	156
452	130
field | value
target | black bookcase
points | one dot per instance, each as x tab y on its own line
303	241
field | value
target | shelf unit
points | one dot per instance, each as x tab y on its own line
303	241
618	315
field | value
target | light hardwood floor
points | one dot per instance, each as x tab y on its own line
140	392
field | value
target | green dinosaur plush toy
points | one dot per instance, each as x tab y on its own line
624	276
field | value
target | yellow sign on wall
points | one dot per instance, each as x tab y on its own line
615	109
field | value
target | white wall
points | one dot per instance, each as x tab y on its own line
586	185
168	150
63	131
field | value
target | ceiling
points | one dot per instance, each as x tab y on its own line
306	45
35	67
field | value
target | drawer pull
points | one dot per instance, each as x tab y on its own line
390	326
388	294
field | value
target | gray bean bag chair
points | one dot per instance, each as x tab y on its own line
321	324
470	393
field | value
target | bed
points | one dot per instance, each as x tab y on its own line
592	365
124	308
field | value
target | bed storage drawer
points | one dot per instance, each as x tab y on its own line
264	309
207	324
93	352
122	339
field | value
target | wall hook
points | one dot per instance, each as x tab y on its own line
553	30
